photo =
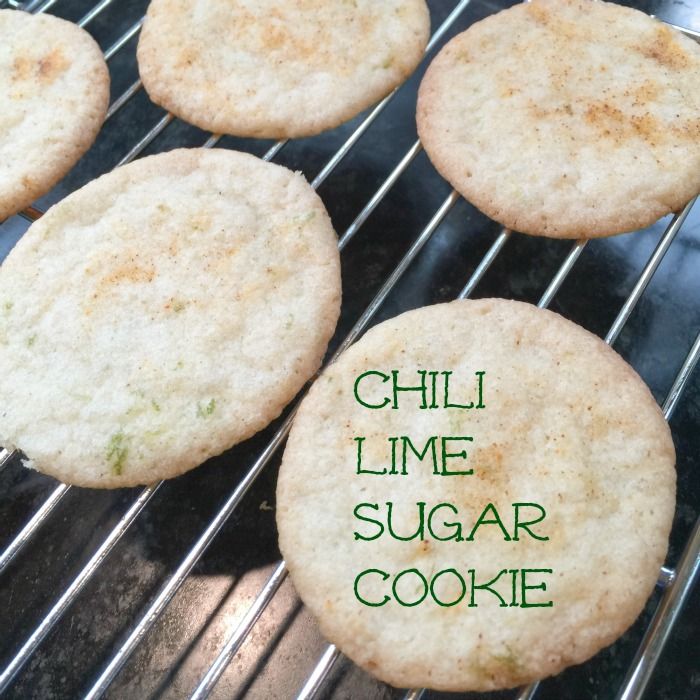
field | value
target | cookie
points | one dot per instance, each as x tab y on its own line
566	118
278	68
55	87
543	466
163	313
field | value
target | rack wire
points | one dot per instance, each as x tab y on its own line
675	583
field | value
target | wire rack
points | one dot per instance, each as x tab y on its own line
383	277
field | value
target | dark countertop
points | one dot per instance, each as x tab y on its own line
285	644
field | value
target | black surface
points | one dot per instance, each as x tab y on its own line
285	644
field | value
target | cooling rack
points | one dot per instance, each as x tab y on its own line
176	590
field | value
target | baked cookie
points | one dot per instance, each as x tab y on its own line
277	68
54	84
163	313
566	118
565	448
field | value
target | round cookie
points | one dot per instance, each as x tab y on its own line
163	313
277	68
561	425
566	118
55	87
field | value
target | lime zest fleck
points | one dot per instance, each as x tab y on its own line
206	410
510	660
31	340
305	218
117	452
8	305
156	405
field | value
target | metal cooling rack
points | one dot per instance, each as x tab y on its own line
674	583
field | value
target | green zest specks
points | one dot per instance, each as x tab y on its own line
305	218
509	660
116	453
204	411
155	405
31	340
